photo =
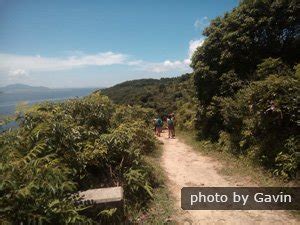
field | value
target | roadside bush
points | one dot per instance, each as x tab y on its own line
246	76
61	148
286	162
186	115
263	115
36	190
133	113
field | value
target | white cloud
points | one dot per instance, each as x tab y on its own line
201	23
177	65
135	62
193	45
18	64
165	66
17	73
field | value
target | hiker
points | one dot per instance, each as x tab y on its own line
174	123
170	123
158	126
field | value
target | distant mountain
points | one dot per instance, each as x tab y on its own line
13	88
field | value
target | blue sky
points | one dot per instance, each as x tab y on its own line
69	43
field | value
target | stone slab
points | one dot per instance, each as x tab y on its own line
102	195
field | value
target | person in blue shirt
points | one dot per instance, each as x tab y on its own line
158	126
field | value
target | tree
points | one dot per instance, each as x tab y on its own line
245	78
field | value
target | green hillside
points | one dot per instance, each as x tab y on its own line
166	95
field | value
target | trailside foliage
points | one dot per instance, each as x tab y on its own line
61	148
247	82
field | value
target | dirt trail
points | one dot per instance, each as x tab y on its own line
185	167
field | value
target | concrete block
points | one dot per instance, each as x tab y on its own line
102	195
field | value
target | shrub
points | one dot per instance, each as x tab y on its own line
272	66
245	81
264	115
286	162
61	148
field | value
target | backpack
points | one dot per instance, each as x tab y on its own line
158	122
170	122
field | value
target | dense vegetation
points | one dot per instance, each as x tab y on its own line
247	82
61	148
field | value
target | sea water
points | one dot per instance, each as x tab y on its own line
9	101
